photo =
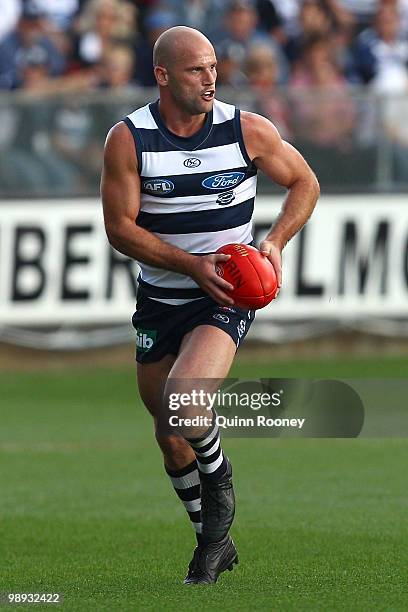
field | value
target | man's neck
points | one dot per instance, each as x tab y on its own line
179	122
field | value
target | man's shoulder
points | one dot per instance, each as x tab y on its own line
142	117
222	111
258	132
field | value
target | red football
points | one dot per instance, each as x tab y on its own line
251	274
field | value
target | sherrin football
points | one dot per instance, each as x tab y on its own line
251	274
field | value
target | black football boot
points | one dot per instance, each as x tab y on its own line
217	506
210	560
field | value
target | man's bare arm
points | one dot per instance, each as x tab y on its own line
284	165
120	190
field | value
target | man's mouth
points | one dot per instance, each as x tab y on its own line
208	94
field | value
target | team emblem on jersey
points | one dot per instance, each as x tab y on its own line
191	162
226	197
226	180
221	317
159	186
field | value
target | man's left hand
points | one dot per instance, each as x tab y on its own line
270	250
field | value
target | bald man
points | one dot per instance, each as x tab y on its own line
179	181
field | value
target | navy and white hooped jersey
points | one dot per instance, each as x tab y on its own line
197	193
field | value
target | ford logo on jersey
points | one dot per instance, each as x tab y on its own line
159	186
226	180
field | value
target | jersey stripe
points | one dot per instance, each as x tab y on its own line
214	159
170	185
223	134
210	201
207	242
198	221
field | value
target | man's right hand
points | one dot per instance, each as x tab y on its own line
204	274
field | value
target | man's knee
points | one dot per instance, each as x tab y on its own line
172	443
176	451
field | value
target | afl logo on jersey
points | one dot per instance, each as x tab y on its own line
159	186
191	162
226	180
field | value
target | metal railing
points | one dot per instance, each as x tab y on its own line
52	146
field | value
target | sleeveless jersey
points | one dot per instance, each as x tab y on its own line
197	193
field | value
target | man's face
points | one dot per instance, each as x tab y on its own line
191	79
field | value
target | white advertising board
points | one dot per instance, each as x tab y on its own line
350	262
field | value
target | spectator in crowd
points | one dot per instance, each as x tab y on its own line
241	33
383	48
102	23
324	117
30	31
58	17
156	22
34	68
323	108
321	17
261	69
269	20
230	69
117	67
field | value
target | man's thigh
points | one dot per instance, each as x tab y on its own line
205	352
151	380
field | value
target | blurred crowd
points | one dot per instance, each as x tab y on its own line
89	44
280	51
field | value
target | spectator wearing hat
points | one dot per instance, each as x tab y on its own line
30	32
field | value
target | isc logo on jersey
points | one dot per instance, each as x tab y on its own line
145	338
159	186
226	180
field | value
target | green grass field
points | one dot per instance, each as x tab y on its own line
87	511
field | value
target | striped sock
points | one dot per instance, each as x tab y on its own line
186	483
210	458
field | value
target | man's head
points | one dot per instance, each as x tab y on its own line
185	69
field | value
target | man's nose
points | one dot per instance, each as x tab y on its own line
208	77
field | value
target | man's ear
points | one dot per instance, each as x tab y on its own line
161	75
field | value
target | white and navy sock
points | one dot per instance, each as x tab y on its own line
186	483
210	458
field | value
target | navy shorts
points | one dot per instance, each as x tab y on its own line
160	328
